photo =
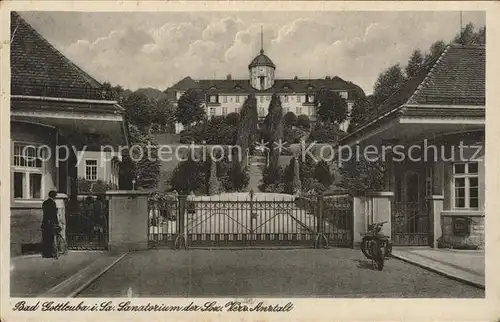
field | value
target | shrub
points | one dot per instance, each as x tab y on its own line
233	119
322	174
325	132
303	121
290	119
99	186
189	176
360	177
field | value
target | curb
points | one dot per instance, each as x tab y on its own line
64	289
96	276
440	271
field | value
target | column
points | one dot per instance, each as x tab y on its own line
381	209
435	203
360	218
61	200
128	220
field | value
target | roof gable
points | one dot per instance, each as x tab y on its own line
456	77
39	69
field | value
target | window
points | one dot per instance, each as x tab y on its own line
428	181
298	99
237	99
179	94
285	98
466	185
262	99
262	83
298	109
310	99
91	170
343	95
224	110
27	165
237	110
212	112
224	99
213	98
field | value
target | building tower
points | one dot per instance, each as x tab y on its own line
262	69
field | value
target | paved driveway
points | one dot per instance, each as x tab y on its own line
269	273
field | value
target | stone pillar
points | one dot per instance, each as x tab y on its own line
381	209
435	204
61	200
360	218
128	220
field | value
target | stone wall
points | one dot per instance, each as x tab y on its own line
471	238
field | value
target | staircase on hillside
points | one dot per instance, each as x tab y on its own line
257	163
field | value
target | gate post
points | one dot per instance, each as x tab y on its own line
180	239
128	220
321	238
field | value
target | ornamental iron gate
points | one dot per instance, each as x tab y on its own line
410	224
209	222
87	223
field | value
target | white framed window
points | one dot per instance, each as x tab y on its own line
298	98
344	95
213	98
298	110
224	110
91	170
237	98
428	181
28	171
224	99
466	185
310	99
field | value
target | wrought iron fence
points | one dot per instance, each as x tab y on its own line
339	218
87	223
410	223
248	222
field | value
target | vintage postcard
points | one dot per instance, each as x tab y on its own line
259	161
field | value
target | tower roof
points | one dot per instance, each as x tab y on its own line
261	60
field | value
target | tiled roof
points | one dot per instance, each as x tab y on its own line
39	69
459	75
280	85
261	60
456	77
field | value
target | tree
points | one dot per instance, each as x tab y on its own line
233	119
189	109
414	64
435	49
303	121
360	109
388	82
139	109
290	119
188	176
362	176
470	36
140	163
330	107
274	129
325	132
322	174
247	131
164	114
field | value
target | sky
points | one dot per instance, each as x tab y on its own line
157	49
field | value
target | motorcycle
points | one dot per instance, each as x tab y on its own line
376	246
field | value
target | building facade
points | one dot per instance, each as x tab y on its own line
56	110
103	166
224	96
433	130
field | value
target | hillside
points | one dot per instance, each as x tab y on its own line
152	93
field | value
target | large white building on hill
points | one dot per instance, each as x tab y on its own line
224	96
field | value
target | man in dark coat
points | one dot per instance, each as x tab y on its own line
50	225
